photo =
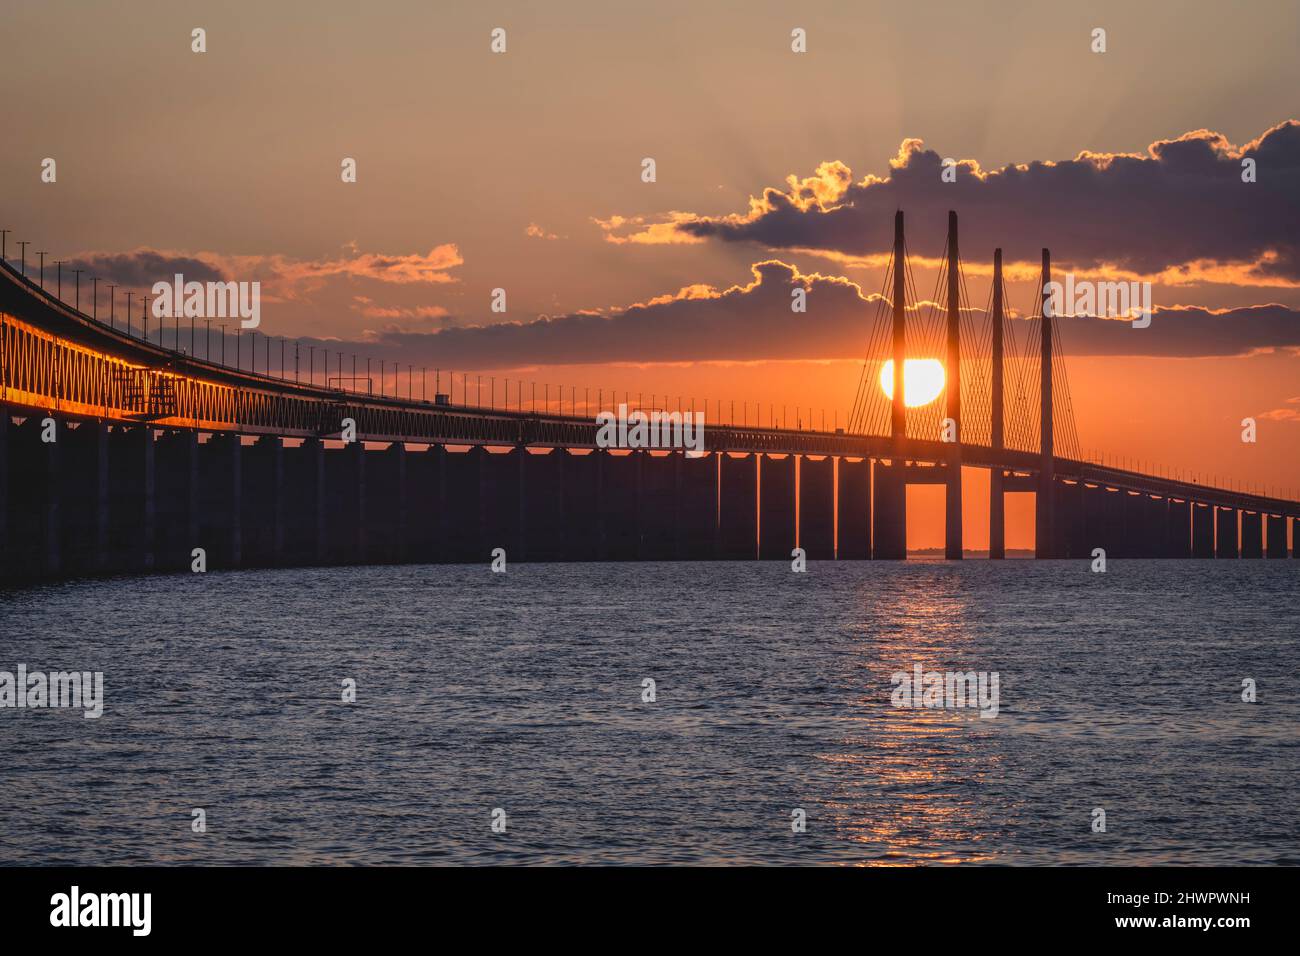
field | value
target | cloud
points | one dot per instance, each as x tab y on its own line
281	276
1181	204
754	322
141	268
535	231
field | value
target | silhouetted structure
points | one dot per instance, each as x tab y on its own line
118	455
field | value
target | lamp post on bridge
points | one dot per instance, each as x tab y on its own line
42	254
77	287
22	261
58	284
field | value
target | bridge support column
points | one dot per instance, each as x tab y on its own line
546	510
1252	534
621	478
658	519
6	460
1178	530
1134	529
221	493
1096	530
997	516
1202	530
889	512
177	487
1276	536
1295	537
817	508
35	484
421	493
132	503
854	510
1071	533
386	504
738	512
262	501
1155	526
345	479
305	508
953	508
499	503
1225	539
84	498
581	504
697	508
776	514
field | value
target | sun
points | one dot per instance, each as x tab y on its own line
922	381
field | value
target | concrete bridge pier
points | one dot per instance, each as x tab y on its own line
499	504
581	502
697	507
345	503
658	518
386	504
545	505
262	502
420	536
83	493
6	460
1252	534
1178	530
1276	536
34	491
221	501
952	507
738	508
176	460
1094	515
1155	526
132	502
889	512
997	516
1225	538
1071	521
621	487
1202	530
854	513
461	511
305	509
776	513
817	507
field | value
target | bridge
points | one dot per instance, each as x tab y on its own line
119	454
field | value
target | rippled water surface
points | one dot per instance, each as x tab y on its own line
523	691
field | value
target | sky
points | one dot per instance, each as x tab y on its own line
523	171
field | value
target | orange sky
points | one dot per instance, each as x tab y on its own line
522	171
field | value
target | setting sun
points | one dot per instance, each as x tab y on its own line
922	381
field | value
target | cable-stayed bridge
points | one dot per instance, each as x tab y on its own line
122	454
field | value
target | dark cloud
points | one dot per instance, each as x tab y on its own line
1183	201
141	268
755	322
